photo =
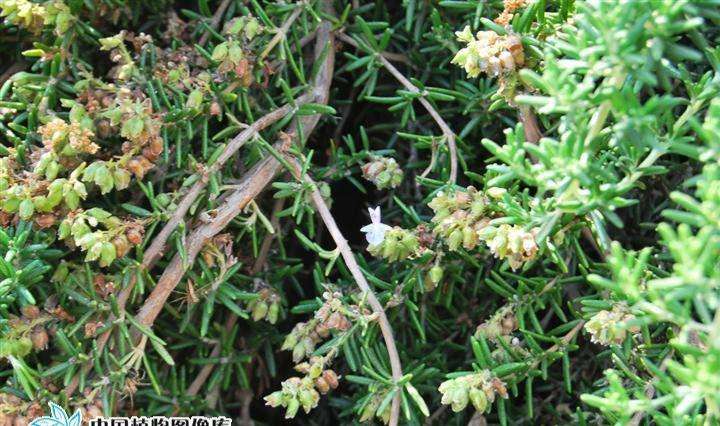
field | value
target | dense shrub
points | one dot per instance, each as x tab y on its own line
501	212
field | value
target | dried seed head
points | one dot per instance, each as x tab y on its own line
383	172
488	52
321	385
122	246
510	6
35	410
39	338
134	235
30	312
610	327
331	378
215	108
91	328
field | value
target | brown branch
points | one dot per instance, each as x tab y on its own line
360	280
207	369
530	124
249	187
447	132
215	21
155	250
282	31
158	244
12	69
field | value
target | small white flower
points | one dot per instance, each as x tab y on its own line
375	232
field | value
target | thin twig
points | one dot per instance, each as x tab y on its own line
251	185
447	132
282	31
563	341
215	21
649	393
430	421
354	268
12	69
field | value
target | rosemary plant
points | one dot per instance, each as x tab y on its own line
334	212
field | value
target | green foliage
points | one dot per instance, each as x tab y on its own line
569	275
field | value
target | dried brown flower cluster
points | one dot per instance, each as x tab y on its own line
266	306
502	323
463	218
611	327
488	52
459	216
90	405
332	315
79	139
479	388
510	6
383	172
304	392
16	412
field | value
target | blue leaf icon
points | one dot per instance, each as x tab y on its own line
76	419
58	417
58	413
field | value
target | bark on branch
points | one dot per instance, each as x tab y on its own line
249	187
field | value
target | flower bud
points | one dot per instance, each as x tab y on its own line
290	341
292	408
322	385
275	399
331	378
456	237
298	352
39	338
315	370
469	238
259	310
273	312
496	192
478	399
436	274
383	172
308	398
30	312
